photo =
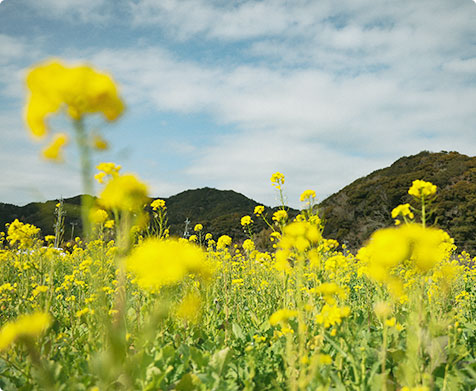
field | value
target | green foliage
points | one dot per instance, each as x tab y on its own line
360	208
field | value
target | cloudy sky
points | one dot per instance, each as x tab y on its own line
225	93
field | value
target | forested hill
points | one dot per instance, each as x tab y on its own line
350	215
219	211
357	210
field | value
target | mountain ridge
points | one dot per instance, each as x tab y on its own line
350	215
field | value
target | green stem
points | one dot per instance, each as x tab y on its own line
423	211
86	175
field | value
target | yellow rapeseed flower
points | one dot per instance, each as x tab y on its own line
259	209
25	326
124	192
158	204
81	90
277	179
402	210
248	245
223	242
24	235
54	150
97	216
189	309
246	220
389	247
282	316
421	189
332	314
280	216
307	195
198	227
156	263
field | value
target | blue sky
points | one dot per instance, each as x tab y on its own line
225	93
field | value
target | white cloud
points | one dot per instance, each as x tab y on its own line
300	119
88	11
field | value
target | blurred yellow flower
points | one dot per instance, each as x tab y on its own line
307	195
282	316
25	326
99	143
189	309
198	227
97	216
248	245
53	151
81	90
389	247
124	192
156	263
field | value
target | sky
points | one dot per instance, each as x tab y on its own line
225	93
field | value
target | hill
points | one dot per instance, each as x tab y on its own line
219	211
365	205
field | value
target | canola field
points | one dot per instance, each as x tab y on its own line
127	307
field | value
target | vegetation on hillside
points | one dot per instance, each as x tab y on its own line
365	205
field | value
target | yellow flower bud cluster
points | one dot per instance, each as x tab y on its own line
259	209
422	189
105	170
158	204
24	235
246	220
278	180
223	242
307	195
404	211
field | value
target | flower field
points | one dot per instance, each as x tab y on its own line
127	307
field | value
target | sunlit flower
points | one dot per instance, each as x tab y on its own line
158	204
156	263
246	220
223	242
124	192
280	216
277	179
259	209
81	90
307	195
421	189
